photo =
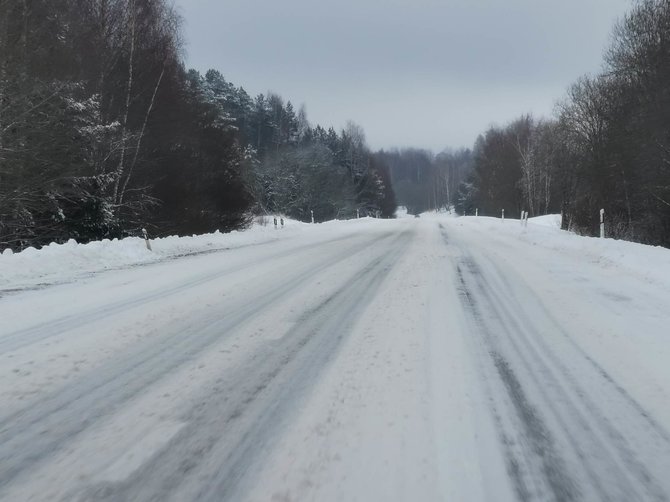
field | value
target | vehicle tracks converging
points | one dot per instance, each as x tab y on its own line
558	440
231	432
31	435
12	341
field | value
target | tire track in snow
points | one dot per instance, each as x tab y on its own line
607	381
16	340
591	417
226	438
605	456
539	459
29	436
8	291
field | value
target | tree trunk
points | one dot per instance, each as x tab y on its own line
142	130
129	89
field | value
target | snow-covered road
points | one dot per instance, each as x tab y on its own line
418	359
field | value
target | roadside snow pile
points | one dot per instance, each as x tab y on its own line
61	262
548	220
401	212
649	263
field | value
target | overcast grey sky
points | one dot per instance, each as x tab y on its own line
424	73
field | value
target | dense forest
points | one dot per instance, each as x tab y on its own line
103	131
607	147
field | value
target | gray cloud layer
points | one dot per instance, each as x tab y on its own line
423	73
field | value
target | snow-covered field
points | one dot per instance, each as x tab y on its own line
432	358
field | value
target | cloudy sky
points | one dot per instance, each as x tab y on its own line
424	73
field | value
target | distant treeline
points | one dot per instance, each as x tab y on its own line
608	147
103	131
423	181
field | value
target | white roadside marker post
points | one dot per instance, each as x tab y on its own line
358	214
312	212
602	223
503	215
477	212
146	239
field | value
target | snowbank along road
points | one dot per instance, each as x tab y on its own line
431	359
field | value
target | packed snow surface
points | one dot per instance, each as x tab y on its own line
431	358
